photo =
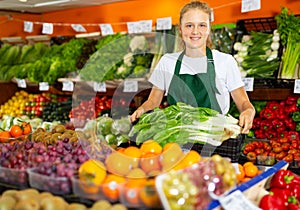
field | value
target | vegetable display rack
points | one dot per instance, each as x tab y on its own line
230	148
265	25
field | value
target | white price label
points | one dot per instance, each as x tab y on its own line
106	29
132	27
130	86
43	86
146	26
21	83
47	28
143	26
250	5
297	86
249	83
67	86
78	27
28	26
164	23
237	201
100	87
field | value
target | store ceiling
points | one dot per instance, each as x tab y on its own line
43	6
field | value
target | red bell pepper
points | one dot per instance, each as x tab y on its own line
271	201
281	192
273	105
290	108
267	113
278	125
295	190
293	203
282	179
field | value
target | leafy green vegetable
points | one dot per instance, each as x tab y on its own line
184	123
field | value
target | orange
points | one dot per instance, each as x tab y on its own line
170	156
190	158
150	146
133	152
241	175
149	195
26	127
110	186
16	131
150	162
118	163
132	189
121	149
92	173
251	170
4	136
247	164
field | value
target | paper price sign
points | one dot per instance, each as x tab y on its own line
67	86
28	26
249	83
100	87
106	29
133	27
145	26
21	83
164	23
130	86
78	28
43	86
250	5
237	201
47	28
297	86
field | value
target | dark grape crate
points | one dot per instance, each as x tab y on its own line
230	148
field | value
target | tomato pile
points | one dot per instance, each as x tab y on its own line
16	131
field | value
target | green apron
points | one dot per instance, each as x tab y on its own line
197	90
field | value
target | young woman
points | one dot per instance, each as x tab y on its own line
198	75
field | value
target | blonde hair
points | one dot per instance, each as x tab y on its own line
203	6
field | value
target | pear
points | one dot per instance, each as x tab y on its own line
7	203
76	206
27	204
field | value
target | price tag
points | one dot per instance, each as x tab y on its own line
43	86
21	83
100	87
297	86
237	201
47	28
133	27
250	5
145	26
249	83
130	86
164	23
106	29
67	86
78	27
28	26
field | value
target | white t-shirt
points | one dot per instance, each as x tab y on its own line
228	77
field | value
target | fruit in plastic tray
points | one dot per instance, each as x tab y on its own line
196	186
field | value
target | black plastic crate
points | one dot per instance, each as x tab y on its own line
230	148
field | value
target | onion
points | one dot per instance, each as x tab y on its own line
275	45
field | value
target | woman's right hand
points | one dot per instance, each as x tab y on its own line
137	114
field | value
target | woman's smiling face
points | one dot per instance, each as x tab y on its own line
195	28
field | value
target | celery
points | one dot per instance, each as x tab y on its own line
290	57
